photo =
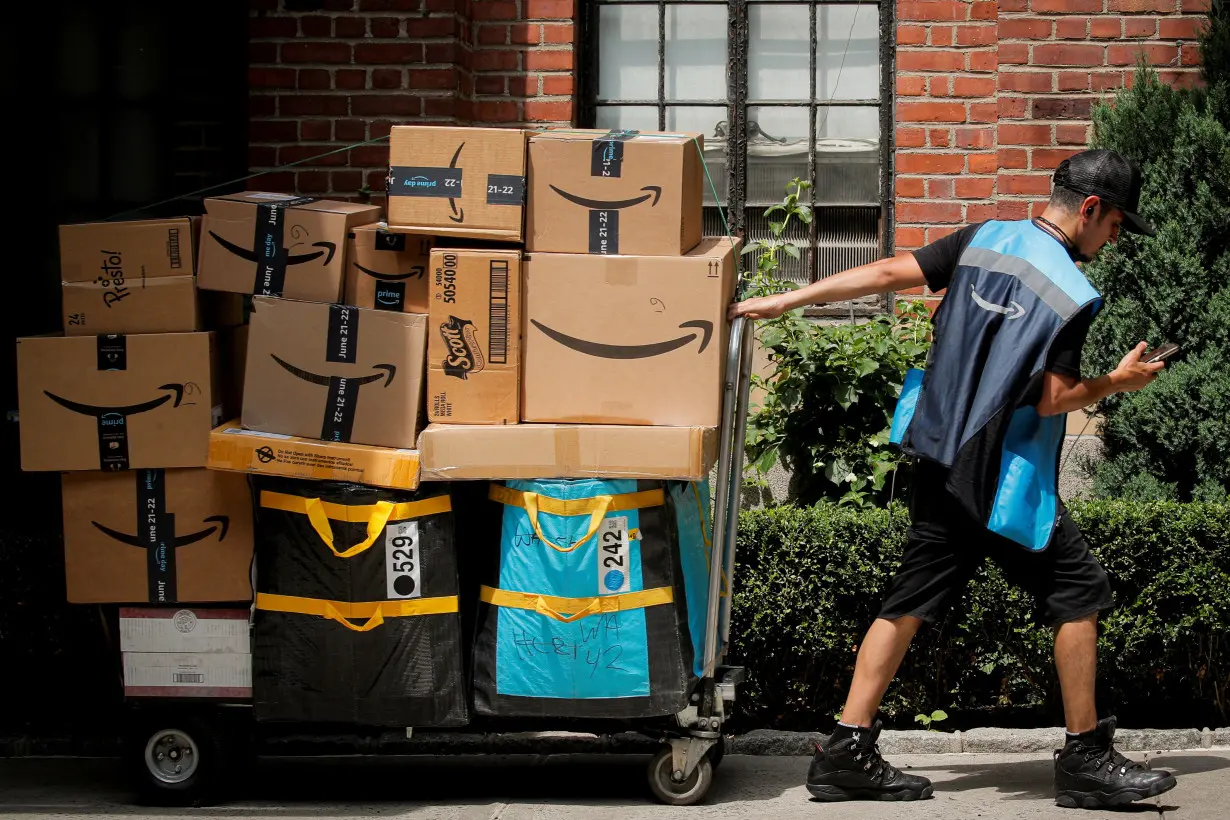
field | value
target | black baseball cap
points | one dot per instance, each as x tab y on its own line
1111	177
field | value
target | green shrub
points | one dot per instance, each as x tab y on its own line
830	398
809	582
1170	440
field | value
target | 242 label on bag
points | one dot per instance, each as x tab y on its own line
614	556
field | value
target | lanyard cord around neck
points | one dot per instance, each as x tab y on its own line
1053	229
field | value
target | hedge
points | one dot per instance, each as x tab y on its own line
809	581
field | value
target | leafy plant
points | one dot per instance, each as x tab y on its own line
934	717
829	401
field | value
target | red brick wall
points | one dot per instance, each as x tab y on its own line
991	96
325	74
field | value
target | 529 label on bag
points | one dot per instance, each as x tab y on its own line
401	561
614	556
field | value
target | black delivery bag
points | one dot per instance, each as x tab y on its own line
356	608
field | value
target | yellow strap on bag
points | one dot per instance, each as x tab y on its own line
596	507
341	611
554	607
377	516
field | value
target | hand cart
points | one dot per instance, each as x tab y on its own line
185	751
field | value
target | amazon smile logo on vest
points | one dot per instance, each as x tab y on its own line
633	351
1012	310
464	355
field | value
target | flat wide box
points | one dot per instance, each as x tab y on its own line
473	350
387	270
278	245
164	305
157	536
182	629
455	452
187	675
334	372
463	182
249	451
155	410
129	277
611	193
627	339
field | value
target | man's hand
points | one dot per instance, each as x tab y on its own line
1132	374
762	307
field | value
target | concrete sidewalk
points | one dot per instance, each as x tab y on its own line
982	786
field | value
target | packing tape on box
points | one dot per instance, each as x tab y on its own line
268	235
568	448
622	272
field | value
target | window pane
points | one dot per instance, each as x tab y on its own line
776	151
778	57
848	155
851	31
709	121
696	52
855	122
628	53
626	117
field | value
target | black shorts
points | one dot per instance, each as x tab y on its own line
946	546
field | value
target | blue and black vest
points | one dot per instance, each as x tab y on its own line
1013	290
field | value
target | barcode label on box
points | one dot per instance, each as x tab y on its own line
188	677
497	345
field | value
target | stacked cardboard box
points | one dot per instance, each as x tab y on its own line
595	349
545	300
333	348
125	414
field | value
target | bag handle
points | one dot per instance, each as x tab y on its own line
320	522
542	609
376	620
599	505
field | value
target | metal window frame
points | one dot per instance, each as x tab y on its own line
738	102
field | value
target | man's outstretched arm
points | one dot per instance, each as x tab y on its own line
885	276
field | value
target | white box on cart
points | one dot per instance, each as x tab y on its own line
187	675
186	653
145	629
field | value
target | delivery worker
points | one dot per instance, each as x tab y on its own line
985	424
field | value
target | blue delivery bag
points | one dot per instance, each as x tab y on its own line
596	607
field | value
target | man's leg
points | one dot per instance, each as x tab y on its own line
1076	660
879	657
1070	588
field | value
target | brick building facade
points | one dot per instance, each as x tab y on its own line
989	96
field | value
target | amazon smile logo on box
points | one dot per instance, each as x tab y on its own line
634	351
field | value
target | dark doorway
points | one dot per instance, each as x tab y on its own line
109	108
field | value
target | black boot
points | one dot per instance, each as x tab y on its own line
848	766
1090	773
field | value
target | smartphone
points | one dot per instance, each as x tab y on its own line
1160	354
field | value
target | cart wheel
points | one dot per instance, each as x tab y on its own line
177	760
671	793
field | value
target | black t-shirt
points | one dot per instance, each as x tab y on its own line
939	261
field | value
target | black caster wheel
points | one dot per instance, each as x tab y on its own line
178	759
666	790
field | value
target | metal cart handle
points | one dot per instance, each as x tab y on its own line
729	487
